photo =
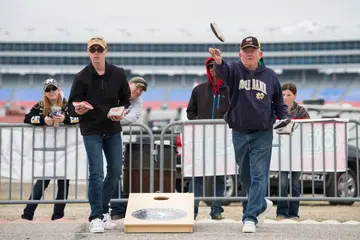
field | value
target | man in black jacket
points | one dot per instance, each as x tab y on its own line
209	100
104	86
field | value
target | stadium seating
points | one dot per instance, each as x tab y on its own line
5	95
304	93
331	94
156	95
28	94
66	92
179	94
352	95
176	90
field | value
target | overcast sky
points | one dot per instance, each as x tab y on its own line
169	15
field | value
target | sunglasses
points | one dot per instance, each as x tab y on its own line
49	89
99	50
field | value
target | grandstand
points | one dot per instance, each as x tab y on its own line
315	80
322	59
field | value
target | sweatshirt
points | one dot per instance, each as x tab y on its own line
255	97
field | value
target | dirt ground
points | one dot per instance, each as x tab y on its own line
308	210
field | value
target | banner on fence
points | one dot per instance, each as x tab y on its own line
318	145
24	153
208	150
40	152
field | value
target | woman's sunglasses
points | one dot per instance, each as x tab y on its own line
49	89
99	50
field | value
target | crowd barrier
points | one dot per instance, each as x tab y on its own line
324	152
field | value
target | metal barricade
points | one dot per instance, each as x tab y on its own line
202	130
36	155
317	166
322	156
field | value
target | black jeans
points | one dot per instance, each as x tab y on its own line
62	194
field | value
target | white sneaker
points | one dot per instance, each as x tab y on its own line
262	216
249	227
96	226
108	223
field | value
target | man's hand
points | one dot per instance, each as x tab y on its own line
59	118
282	123
116	118
285	127
123	115
216	55
80	110
49	121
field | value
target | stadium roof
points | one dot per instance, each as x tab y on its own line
186	21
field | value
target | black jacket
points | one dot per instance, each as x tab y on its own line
208	102
102	92
37	117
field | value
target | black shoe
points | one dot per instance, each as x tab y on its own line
26	217
117	217
218	217
57	216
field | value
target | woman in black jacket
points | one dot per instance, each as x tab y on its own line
42	113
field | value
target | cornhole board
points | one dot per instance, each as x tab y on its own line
159	212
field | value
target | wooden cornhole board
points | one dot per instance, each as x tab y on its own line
159	212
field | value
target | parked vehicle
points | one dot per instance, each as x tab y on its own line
317	183
312	183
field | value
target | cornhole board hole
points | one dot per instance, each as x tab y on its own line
159	212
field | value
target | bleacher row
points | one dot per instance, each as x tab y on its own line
182	94
175	90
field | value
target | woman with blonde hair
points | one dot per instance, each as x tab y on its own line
51	111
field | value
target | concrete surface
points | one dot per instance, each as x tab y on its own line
74	230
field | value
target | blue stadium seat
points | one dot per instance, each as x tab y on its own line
154	95
352	95
304	93
331	94
66	92
5	94
28	94
179	95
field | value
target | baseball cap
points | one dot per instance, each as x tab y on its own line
250	42
50	82
139	82
97	41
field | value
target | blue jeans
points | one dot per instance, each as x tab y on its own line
100	189
216	208
289	209
252	155
118	208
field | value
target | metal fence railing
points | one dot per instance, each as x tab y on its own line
38	155
323	154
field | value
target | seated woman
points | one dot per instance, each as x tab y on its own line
41	115
290	209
